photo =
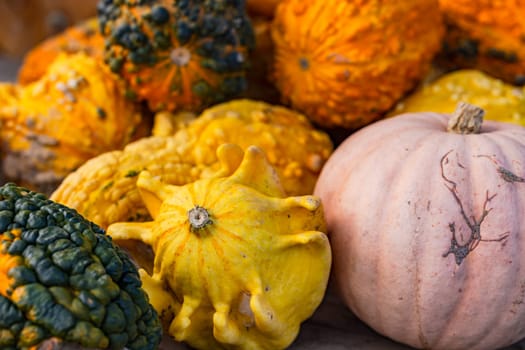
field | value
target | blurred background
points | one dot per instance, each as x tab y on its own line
24	23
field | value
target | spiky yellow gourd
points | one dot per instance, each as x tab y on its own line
238	265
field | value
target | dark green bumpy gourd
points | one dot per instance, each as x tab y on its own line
61	277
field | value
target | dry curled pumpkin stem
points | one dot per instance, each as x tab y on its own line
466	119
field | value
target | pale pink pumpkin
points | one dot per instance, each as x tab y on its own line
427	228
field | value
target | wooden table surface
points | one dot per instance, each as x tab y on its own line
334	327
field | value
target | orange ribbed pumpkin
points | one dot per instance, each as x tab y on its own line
345	63
487	35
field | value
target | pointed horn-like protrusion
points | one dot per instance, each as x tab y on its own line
255	171
230	157
140	231
152	191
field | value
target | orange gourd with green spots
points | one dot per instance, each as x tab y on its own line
178	54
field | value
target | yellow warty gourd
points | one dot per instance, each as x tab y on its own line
104	188
500	101
74	112
238	265
296	149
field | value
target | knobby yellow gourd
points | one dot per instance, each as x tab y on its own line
238	265
104	188
500	101
293	146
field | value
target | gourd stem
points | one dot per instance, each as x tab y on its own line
199	218
180	56
466	119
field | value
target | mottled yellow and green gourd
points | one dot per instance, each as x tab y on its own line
74	112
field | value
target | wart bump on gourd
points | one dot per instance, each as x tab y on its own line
231	254
183	148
